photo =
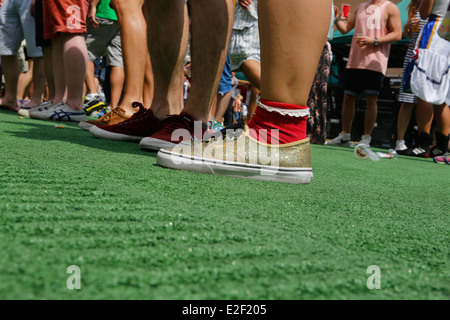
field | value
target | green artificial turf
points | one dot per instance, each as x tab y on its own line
139	231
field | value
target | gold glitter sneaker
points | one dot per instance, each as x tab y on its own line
242	156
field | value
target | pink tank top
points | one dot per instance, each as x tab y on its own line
370	21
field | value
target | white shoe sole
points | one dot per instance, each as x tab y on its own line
341	144
230	169
24	113
85	125
151	144
107	135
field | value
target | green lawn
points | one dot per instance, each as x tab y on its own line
139	231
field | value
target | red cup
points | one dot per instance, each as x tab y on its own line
345	10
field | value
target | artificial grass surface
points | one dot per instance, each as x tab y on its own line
138	231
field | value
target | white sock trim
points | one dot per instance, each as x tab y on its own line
299	113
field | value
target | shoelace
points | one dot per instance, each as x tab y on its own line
174	122
106	117
141	114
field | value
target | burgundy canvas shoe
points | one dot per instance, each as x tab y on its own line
175	129
142	124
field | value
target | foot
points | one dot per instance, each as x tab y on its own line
445	159
244	157
115	116
25	112
59	112
435	151
9	105
422	146
174	130
343	139
143	123
93	104
366	139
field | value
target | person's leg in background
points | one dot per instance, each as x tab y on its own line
211	22
223	96
65	24
168	35
46	63
148	84
10	67
442	114
59	75
209	53
404	118
370	118
424	118
25	79
348	113
133	30
35	53
11	36
75	66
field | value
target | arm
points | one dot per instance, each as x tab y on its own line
92	13
394	26
409	25
346	25
245	3
425	8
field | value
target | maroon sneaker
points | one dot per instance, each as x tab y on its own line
142	124
167	137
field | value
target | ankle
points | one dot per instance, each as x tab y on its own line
278	123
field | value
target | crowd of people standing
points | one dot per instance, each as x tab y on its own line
152	90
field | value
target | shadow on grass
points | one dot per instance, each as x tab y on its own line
47	131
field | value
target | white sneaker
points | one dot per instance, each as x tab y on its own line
24	112
341	139
60	112
366	140
400	145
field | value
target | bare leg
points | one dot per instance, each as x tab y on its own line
39	82
76	59
371	114
48	69
11	72
211	24
222	105
117	81
134	39
59	75
442	113
284	35
24	82
90	79
167	43
348	112
252	105
404	118
148	84
424	116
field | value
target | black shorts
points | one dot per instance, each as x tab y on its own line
363	82
39	23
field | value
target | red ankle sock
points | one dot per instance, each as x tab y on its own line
290	121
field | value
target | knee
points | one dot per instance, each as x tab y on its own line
126	6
